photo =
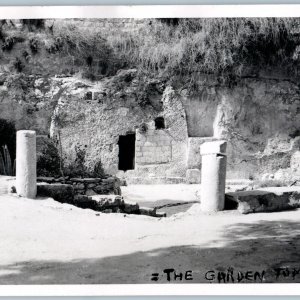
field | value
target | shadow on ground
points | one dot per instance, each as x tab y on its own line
259	247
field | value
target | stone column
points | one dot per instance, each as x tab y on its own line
213	175
26	164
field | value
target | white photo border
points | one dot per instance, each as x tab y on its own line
150	11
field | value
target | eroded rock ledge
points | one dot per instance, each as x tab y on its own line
265	199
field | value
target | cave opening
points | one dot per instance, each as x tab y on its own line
126	151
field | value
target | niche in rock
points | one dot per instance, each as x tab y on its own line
159	123
126	151
200	114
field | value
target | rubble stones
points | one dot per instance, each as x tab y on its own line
69	193
114	204
265	199
211	147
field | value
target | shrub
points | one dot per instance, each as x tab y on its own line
55	46
98	171
33	24
33	45
26	55
78	167
18	64
48	158
85	48
8	43
187	47
6	166
143	128
8	136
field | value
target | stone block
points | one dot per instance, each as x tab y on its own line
214	147
265	199
84	201
90	192
108	201
130	208
63	193
146	211
193	176
45	179
76	179
79	186
295	162
148	144
160	215
91	180
91	185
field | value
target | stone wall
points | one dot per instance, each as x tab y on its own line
194	156
163	152
87	186
153	147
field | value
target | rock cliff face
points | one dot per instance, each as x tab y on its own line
258	116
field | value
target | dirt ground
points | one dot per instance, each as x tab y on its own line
45	242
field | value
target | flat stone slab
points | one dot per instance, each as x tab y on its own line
264	199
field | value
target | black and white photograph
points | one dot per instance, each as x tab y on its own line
149	151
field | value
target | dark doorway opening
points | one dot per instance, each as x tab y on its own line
126	151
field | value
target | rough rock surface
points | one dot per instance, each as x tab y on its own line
258	115
193	176
265	199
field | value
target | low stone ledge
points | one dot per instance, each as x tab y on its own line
67	193
82	186
46	179
63	193
265	199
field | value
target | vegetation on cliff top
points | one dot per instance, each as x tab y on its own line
166	47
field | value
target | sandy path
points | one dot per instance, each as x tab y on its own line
43	241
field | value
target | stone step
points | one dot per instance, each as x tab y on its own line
239	182
155	180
